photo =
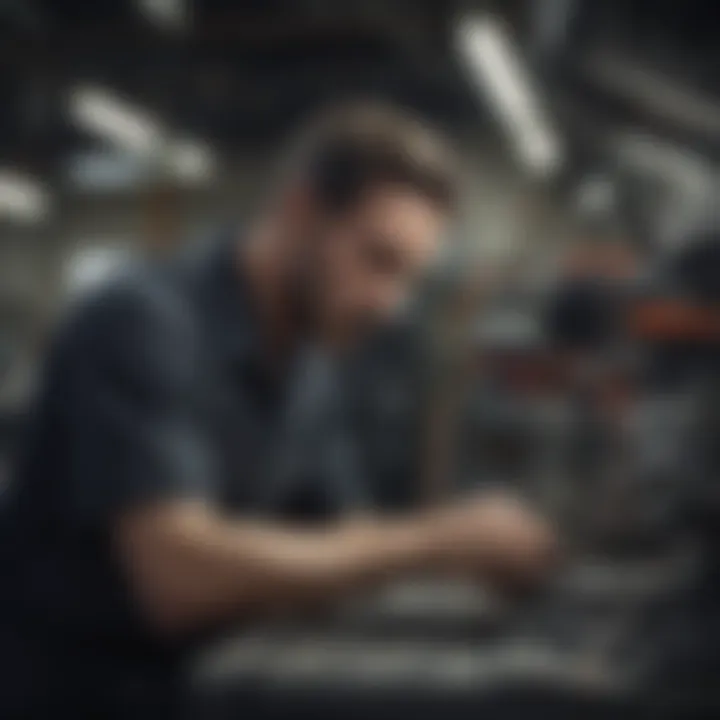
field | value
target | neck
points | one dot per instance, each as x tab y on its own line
265	261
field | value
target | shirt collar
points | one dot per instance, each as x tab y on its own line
226	300
228	308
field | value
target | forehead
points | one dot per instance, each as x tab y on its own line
399	209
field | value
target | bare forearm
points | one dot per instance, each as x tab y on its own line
191	568
204	570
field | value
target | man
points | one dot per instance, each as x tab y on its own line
139	521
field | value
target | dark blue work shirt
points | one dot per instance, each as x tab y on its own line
158	388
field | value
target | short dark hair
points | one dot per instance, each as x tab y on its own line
348	149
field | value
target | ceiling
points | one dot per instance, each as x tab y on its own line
238	73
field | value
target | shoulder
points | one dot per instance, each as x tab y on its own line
142	317
140	296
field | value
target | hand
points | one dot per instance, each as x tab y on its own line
496	537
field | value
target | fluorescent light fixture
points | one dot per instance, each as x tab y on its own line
190	161
107	172
103	114
22	198
130	129
654	93
496	67
168	14
681	185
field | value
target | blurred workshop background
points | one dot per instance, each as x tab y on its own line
127	126
591	137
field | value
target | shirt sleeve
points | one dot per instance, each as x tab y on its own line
131	408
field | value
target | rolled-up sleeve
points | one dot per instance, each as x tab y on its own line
131	411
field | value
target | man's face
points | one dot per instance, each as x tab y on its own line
361	265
